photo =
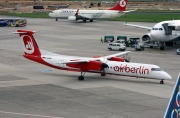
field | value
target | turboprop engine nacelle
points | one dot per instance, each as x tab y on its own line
72	18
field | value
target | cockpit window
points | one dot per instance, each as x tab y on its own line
160	29
156	69
155	28
51	12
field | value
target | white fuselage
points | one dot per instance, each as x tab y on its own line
115	67
158	33
65	13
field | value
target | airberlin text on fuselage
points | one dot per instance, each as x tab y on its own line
127	69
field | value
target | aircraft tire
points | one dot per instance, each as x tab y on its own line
161	48
80	78
103	74
56	19
84	20
161	82
91	20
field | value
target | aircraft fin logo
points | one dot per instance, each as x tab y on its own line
120	6
27	44
173	109
122	3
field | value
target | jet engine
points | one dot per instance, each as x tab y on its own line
146	38
72	18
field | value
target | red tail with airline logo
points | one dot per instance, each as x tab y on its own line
29	44
120	6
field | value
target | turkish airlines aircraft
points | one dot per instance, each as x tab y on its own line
76	14
164	32
111	64
173	108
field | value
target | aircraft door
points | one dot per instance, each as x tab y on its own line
169	30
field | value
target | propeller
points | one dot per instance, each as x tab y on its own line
126	58
104	66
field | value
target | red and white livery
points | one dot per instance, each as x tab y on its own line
111	64
76	14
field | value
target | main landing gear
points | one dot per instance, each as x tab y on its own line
162	82
84	20
103	74
81	78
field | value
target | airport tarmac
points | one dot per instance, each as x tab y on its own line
31	90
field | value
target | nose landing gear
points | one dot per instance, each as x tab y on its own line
162	82
162	46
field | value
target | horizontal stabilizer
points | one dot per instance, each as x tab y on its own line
24	32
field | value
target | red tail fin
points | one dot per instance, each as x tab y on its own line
29	44
120	6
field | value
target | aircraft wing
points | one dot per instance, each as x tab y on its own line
116	55
138	26
82	15
95	59
74	61
90	16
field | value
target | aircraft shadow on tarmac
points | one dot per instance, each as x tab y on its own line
96	77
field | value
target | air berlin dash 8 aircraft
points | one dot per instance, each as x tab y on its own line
111	64
76	14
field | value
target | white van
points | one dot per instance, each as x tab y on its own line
116	46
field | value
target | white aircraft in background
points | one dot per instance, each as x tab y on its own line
76	14
111	64
164	32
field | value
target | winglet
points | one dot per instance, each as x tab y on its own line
77	12
173	108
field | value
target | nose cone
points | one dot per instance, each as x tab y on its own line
161	75
52	14
157	35
154	35
167	76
